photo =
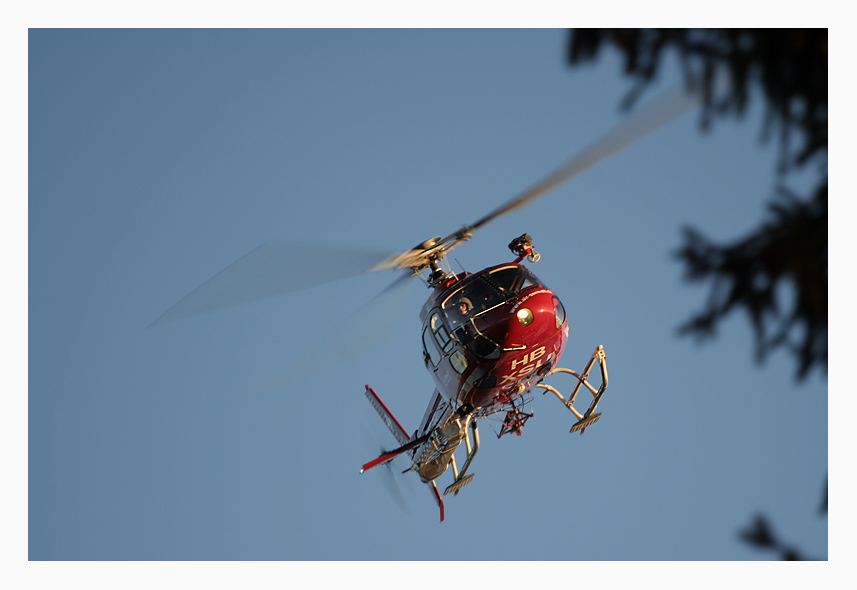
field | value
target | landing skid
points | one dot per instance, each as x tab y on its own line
589	417
442	430
458	484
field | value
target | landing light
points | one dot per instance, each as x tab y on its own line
525	316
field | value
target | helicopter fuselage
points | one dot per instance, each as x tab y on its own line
490	337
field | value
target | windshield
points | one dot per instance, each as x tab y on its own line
486	292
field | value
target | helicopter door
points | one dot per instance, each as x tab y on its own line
436	341
449	363
431	350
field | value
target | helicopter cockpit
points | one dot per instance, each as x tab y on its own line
485	292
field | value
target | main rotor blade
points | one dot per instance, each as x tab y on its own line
272	269
660	112
371	326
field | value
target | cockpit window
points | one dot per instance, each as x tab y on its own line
559	312
485	292
440	333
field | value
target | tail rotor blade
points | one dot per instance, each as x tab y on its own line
389	473
390	478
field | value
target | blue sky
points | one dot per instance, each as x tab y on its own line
157	158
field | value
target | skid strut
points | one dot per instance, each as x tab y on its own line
589	417
461	479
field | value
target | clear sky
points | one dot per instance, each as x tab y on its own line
157	158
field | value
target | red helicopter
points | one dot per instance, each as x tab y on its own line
489	338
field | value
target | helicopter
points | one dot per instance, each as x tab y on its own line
489	339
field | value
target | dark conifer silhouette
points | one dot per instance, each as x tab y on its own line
787	250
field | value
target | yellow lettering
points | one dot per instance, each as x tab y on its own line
522	361
507	378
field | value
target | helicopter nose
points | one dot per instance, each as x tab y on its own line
533	318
